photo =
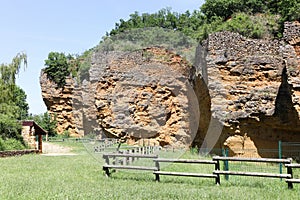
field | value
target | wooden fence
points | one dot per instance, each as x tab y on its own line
159	172
292	180
214	174
254	173
125	163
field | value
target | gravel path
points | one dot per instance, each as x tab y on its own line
50	149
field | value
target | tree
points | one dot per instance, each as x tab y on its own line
289	9
57	68
20	102
13	104
46	122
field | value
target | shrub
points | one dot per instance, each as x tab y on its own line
57	68
11	144
10	128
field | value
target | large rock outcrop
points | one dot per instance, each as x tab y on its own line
253	90
59	103
142	96
246	90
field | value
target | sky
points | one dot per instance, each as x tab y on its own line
38	27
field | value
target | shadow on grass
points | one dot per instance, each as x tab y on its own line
253	182
239	182
149	177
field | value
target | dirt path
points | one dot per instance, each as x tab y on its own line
50	149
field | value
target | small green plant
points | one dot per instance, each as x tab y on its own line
11	144
66	134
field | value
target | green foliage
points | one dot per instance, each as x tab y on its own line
135	39
57	68
251	18
84	64
13	105
163	18
9	127
46	122
288	9
19	97
258	26
11	144
8	74
226	8
216	15
65	134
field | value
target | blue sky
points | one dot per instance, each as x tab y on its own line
38	27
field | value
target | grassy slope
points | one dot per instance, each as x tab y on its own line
81	177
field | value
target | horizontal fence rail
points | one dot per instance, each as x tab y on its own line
227	172
159	172
127	163
126	160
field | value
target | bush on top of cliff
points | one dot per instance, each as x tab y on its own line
252	26
213	16
289	10
250	18
141	38
59	66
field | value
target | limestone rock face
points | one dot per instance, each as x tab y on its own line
242	94
145	94
141	96
253	88
59	102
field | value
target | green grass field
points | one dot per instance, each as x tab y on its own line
81	177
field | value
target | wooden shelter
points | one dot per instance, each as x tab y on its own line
31	130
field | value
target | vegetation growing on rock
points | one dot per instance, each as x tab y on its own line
215	15
254	19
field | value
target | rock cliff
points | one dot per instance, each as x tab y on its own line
253	90
141	96
242	94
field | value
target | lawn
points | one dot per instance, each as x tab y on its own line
81	177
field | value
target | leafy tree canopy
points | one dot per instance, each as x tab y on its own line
13	105
57	68
46	122
60	65
216	12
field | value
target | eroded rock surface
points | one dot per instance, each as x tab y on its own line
253	88
145	94
247	92
141	96
59	103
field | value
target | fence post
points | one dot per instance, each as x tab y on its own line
280	156
290	171
226	165
157	168
133	152
217	167
106	169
